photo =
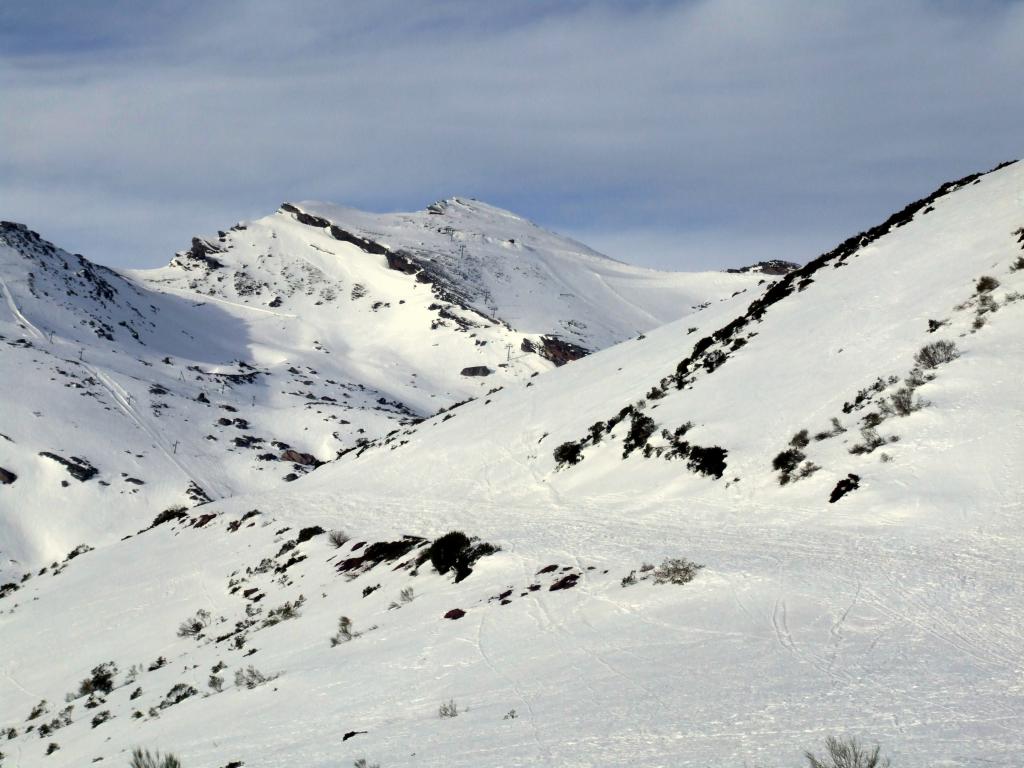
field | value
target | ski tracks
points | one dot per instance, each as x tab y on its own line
121	399
18	316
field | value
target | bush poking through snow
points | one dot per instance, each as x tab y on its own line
676	570
216	683
194	627
986	284
344	633
176	695
641	427
250	677
448	709
100	680
568	454
455	551
872	440
935	354
101	717
145	759
786	463
337	539
283	612
361	763
39	709
847	753
903	402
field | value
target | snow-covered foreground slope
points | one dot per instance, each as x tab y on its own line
263	351
892	613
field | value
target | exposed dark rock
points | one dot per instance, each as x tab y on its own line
350	734
476	370
566	582
78	468
554	349
7	477
308	533
455	613
305	459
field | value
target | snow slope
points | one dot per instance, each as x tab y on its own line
892	613
192	382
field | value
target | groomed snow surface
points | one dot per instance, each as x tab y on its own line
893	614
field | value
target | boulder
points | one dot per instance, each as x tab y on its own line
477	370
7	477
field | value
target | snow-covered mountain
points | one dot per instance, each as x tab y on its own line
261	352
794	513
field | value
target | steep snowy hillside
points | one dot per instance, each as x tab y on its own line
788	516
257	355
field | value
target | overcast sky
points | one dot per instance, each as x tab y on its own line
682	135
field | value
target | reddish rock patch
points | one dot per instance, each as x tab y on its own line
455	613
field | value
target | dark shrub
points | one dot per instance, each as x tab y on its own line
337	539
308	533
850	483
177	694
455	551
101	680
641	427
707	461
568	454
800	440
787	462
101	717
903	402
986	284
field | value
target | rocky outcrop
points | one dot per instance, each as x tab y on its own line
554	349
7	477
477	370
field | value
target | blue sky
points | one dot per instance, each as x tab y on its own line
683	135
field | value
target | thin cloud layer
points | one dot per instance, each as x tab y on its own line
740	130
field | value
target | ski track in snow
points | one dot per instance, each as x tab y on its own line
120	397
18	316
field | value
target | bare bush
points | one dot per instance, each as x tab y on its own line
847	753
250	677
872	440
194	627
344	633
935	354
903	402
337	539
284	612
145	759
448	709
676	570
